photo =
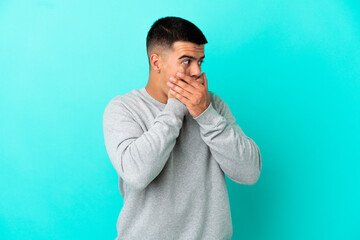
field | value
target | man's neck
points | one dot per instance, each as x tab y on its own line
154	89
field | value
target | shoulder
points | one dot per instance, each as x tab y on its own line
121	102
222	107
125	99
216	97
217	102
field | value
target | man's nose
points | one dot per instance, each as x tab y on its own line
195	71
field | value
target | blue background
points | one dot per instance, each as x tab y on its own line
289	70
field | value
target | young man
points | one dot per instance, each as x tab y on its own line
172	141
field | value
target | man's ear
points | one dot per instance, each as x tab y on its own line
155	62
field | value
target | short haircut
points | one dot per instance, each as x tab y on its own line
165	31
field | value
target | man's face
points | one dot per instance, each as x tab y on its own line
184	57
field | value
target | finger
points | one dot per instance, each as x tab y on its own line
205	82
200	79
184	85
189	80
180	87
180	97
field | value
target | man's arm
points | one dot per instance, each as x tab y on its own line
238	155
139	156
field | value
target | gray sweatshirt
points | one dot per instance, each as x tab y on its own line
171	166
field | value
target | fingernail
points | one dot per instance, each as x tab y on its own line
178	74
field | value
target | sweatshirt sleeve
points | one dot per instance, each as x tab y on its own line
139	156
237	155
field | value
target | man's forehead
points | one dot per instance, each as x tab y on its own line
182	47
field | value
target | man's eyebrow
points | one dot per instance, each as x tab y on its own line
191	57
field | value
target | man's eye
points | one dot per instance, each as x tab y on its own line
200	62
186	62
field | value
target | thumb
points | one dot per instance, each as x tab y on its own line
205	81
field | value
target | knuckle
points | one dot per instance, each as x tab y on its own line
197	100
